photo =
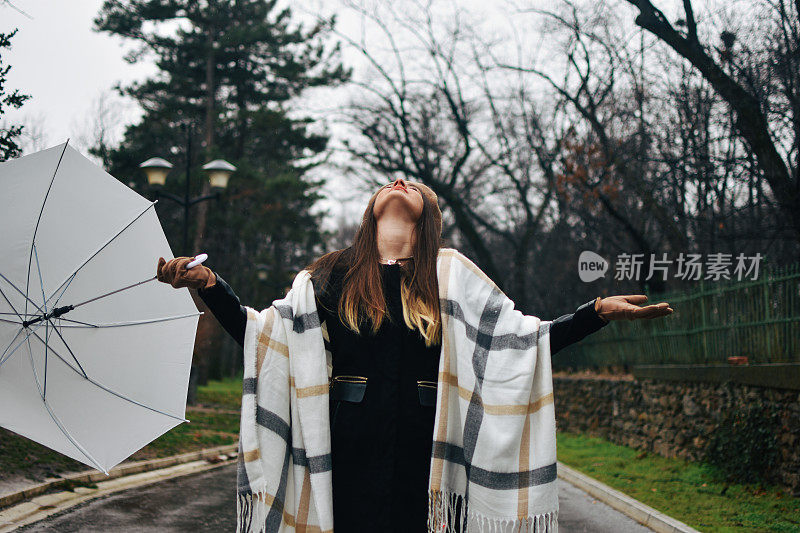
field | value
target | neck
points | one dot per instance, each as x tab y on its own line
395	237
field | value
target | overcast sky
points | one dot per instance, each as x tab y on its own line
62	63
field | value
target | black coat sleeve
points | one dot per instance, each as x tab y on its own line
571	328
227	309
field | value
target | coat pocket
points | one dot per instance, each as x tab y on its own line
427	393
348	388
345	389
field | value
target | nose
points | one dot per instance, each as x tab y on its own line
399	182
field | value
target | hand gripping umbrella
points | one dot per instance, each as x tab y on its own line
94	359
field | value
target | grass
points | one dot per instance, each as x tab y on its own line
694	493
19	455
225	394
206	428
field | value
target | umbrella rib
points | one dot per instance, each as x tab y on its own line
100	248
98	384
85	324
5	357
39	219
41	283
10	304
64	290
68	349
129	323
56	419
112	292
23	295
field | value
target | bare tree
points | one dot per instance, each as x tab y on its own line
34	134
98	131
751	110
665	137
602	84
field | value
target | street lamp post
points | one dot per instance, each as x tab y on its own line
157	169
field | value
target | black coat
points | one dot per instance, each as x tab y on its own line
382	404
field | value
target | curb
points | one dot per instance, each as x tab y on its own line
644	514
125	469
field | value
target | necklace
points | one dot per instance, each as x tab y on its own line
393	261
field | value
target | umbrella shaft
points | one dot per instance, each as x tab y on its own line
55	313
58	311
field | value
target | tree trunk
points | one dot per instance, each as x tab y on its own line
206	330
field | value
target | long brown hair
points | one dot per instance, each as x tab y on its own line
361	302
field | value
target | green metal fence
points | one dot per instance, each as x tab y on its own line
759	319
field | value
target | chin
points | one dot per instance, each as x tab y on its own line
397	202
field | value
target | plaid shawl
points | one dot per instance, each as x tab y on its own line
493	461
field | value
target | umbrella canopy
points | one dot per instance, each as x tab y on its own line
94	354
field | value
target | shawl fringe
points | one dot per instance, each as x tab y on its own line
446	512
251	512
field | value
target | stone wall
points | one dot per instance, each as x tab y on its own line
672	419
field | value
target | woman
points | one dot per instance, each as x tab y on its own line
379	301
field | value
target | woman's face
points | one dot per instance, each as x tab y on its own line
399	199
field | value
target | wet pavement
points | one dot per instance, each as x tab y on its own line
579	512
200	502
206	502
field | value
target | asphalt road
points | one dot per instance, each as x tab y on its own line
581	512
205	502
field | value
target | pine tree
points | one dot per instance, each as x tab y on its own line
231	68
8	133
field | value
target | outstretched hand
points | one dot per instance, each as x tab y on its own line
626	307
176	274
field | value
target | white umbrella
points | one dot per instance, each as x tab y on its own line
94	354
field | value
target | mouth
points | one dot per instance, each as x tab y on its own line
400	187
